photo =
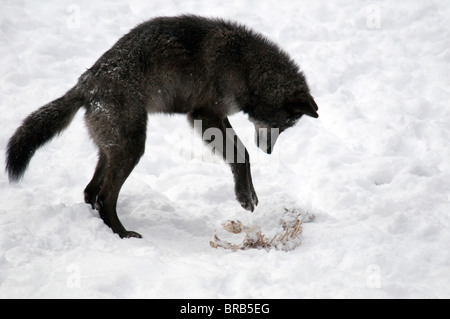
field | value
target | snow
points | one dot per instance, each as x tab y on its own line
374	168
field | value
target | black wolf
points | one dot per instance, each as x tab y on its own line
207	69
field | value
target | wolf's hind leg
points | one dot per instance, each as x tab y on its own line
94	186
121	162
119	132
115	177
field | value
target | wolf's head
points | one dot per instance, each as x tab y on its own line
271	122
278	93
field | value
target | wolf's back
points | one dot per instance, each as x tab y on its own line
37	129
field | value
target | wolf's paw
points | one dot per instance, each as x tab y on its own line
255	197
91	200
248	201
130	234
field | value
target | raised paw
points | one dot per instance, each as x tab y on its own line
248	200
255	197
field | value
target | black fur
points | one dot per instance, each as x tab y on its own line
38	129
207	69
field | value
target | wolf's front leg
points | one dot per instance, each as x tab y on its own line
219	134
240	166
245	192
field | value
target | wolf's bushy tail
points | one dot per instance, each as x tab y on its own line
39	128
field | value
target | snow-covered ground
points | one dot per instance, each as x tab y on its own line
374	168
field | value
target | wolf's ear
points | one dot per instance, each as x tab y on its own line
301	104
